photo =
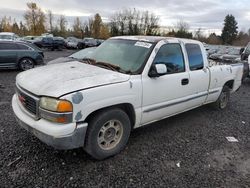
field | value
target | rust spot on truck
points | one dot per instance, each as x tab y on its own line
77	98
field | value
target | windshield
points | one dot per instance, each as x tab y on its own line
85	53
6	37
129	55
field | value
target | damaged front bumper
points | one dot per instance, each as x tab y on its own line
59	136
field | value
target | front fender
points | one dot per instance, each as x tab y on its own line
88	101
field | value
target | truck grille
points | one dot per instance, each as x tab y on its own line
29	102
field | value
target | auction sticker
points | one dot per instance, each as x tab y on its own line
143	44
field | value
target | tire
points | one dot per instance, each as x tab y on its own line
26	64
108	133
223	100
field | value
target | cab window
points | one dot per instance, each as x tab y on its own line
171	55
23	47
195	57
8	46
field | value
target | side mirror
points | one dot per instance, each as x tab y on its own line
157	70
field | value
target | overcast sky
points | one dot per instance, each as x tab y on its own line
205	14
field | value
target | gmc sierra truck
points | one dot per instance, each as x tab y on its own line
128	82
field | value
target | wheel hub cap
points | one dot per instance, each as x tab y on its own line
110	134
26	64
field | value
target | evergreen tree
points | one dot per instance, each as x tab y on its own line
229	32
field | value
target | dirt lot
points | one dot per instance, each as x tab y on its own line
188	150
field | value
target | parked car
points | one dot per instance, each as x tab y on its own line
21	55
87	42
85	53
47	35
128	82
60	41
211	51
231	56
218	55
99	41
8	36
48	43
72	42
29	39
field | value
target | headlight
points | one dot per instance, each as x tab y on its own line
56	105
56	110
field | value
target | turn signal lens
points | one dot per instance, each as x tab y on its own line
61	120
64	106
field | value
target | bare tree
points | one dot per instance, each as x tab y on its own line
35	19
182	26
183	30
62	25
78	28
134	22
214	39
50	20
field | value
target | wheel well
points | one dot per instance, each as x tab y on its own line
229	84
126	107
27	58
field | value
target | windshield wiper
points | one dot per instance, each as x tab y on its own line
105	65
108	65
89	61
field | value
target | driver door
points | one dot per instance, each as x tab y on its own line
166	95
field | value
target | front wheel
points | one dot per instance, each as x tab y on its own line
108	133
26	64
223	100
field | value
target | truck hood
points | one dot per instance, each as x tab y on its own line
59	79
61	60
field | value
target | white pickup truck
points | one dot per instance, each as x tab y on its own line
128	82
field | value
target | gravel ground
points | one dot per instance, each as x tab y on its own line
188	150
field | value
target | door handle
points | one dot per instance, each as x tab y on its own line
185	81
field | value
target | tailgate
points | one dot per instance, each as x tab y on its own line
237	70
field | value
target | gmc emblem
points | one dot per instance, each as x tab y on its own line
21	99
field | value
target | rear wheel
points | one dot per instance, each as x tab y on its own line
26	64
107	134
223	100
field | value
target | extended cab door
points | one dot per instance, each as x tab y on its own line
198	73
168	94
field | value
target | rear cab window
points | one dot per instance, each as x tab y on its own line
195	58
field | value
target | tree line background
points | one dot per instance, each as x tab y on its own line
124	22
